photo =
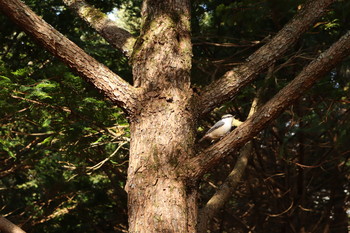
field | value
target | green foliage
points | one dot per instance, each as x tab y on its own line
54	128
128	16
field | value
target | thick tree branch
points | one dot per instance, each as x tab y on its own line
197	166
116	36
233	81
225	191
119	91
8	227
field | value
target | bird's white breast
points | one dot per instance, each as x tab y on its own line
221	131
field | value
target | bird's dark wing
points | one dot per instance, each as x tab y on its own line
217	125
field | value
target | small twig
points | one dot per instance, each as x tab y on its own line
100	164
285	211
41	103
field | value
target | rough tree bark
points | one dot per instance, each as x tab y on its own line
161	68
284	98
118	37
163	167
225	191
113	86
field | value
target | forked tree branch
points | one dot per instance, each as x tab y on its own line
118	90
233	81
225	191
108	29
207	159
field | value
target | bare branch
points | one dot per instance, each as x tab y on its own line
233	81
108	29
119	91
65	109
8	227
225	191
100	164
272	109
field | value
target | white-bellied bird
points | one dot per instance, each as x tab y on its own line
220	128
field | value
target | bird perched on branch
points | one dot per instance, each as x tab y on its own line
220	128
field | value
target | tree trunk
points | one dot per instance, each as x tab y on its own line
163	171
160	200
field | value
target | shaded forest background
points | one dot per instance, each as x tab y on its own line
64	147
